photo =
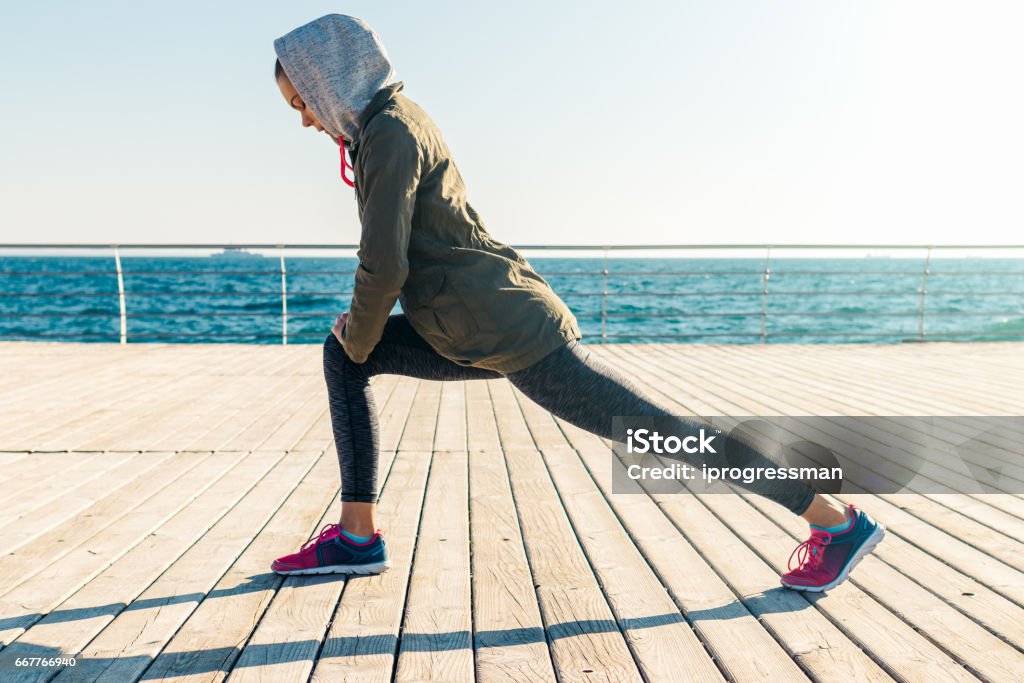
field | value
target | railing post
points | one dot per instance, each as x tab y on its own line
924	294
765	275
604	298
284	298
120	295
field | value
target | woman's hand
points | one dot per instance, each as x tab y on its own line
338	325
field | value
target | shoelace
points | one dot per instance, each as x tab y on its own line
810	553
320	537
344	164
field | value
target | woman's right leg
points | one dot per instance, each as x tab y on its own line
400	351
577	386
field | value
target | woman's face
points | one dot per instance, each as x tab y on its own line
295	102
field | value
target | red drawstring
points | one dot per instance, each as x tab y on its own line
345	164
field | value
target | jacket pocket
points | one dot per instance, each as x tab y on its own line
419	292
439	313
455	322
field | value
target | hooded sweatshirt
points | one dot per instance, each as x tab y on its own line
337	64
474	300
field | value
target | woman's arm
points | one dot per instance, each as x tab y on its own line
387	175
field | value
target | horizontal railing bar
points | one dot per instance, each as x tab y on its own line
906	336
611	273
609	294
756	334
823	314
56	294
579	294
695	335
679	314
59	272
200	271
771	293
558	247
114	335
170	314
951	273
758	272
182	293
974	334
909	335
789	293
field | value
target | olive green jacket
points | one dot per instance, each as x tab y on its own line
475	300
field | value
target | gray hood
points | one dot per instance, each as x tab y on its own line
337	64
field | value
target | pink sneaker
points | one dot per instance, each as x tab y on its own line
332	553
826	559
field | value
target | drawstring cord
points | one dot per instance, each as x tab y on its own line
345	164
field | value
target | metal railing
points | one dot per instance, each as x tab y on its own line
617	286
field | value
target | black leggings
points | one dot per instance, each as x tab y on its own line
571	383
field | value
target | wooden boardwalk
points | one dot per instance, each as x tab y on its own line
145	489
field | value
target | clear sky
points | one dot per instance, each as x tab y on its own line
711	121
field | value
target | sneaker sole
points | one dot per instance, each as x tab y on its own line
376	568
873	540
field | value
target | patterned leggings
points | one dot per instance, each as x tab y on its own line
571	383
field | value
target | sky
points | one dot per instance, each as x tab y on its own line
691	122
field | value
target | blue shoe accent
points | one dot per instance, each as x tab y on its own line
356	539
343	556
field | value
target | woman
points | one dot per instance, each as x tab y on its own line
473	307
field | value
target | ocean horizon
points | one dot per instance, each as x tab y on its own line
237	298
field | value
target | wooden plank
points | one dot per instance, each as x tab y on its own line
584	635
75	621
33	598
899	648
86	468
510	642
238	396
207	645
437	640
451	418
152	426
297	423
658	635
149	410
79	388
973	599
277	413
861	617
106	406
20	560
148	400
7	461
132	640
863	403
39	515
970	644
235	422
38	467
1007	580
737	609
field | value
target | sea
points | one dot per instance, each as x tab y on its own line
237	298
